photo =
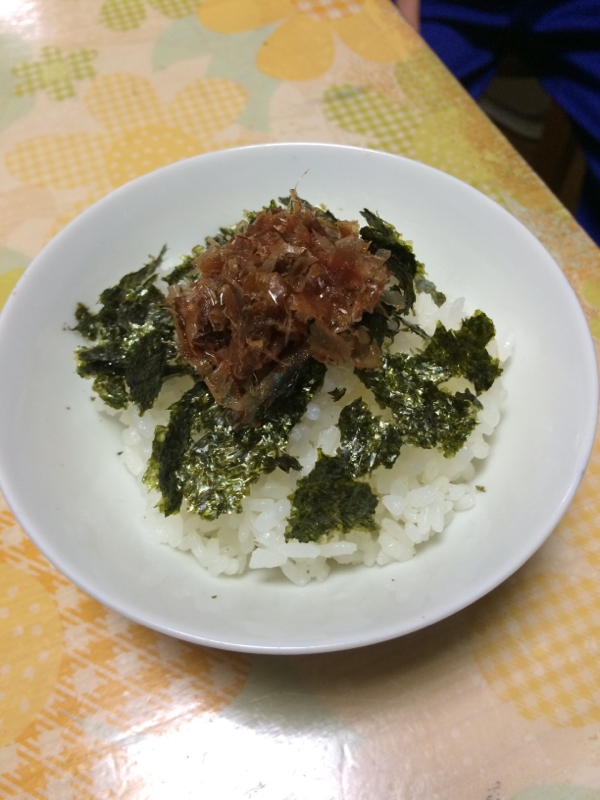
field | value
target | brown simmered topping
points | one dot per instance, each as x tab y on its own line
292	284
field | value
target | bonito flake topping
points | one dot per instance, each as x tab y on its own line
292	284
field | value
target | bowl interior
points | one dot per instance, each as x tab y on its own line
59	467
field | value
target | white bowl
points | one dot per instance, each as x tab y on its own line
59	468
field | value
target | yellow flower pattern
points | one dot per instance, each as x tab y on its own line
302	46
141	133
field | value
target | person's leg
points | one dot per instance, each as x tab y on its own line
468	37
559	40
564	50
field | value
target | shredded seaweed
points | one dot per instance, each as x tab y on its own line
184	271
423	284
223	236
203	457
463	352
320	211
378	324
366	443
428	416
135	349
402	262
330	498
412	327
337	393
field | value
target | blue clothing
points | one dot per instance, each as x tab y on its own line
559	41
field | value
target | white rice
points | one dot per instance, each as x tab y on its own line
418	496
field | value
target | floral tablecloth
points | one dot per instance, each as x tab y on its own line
499	702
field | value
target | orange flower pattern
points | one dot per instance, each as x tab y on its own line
302	46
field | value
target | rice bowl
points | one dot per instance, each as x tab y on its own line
62	477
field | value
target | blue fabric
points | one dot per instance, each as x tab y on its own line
560	42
